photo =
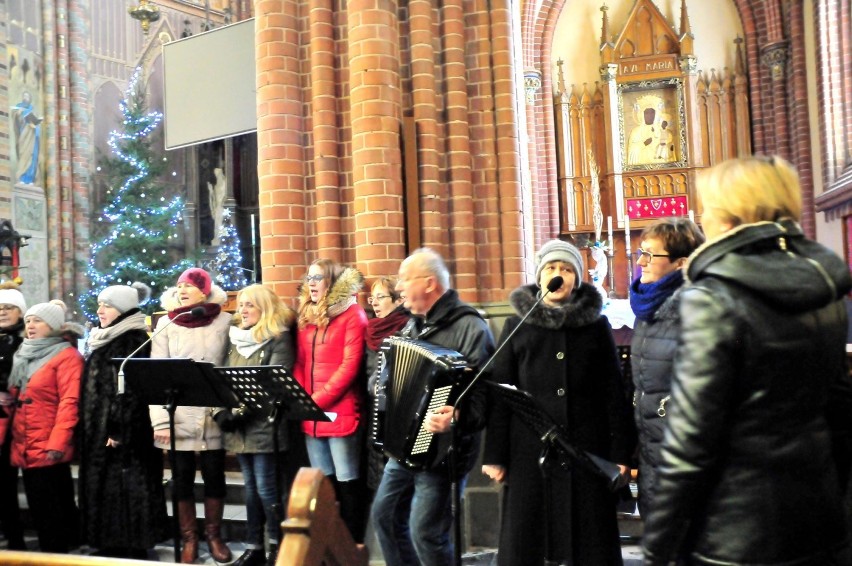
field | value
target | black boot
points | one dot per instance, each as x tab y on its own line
273	555
353	509
251	557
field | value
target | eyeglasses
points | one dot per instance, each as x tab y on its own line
645	254
314	278
377	298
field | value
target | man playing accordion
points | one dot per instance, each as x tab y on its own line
412	508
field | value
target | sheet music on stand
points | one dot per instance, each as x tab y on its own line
533	415
262	389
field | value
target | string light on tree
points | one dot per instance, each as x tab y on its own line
140	219
229	260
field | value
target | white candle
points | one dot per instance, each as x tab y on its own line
252	229
691	215
609	230
627	232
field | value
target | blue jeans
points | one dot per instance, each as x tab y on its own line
336	456
261	490
412	516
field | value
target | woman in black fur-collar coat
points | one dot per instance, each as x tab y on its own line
564	355
122	503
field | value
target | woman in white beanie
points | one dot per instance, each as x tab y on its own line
45	382
122	505
12	309
564	355
201	337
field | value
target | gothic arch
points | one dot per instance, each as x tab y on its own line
766	53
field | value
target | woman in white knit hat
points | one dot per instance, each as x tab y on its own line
12	309
564	356
45	382
122	504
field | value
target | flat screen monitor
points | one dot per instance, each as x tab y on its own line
210	85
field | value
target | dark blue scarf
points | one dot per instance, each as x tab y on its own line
646	298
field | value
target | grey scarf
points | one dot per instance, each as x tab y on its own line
99	337
31	355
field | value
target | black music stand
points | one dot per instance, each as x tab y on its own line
174	382
271	392
555	443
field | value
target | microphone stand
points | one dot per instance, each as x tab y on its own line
197	311
455	500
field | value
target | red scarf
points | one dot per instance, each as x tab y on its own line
211	311
380	328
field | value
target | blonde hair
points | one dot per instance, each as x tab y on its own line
751	189
317	313
275	317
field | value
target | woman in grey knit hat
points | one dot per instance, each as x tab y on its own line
565	357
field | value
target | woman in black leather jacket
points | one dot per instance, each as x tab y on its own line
655	299
756	451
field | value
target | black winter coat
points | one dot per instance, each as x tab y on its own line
254	434
454	324
566	358
652	353
121	496
761	402
10	339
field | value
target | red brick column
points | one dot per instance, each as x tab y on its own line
462	237
511	253
281	154
424	99
324	105
376	157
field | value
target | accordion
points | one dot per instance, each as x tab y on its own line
414	378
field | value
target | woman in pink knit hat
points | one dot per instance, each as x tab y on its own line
201	337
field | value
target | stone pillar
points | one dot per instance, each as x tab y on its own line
281	153
375	98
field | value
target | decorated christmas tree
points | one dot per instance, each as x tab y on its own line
137	236
229	260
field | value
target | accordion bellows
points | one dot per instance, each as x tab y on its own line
415	377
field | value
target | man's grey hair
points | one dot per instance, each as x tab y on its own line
432	262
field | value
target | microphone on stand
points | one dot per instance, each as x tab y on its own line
455	502
196	312
552	285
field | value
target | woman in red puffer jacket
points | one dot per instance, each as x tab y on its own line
44	387
330	347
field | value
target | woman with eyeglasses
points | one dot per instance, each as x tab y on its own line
755	456
330	349
390	317
564	356
12	309
654	298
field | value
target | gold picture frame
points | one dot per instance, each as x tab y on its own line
651	120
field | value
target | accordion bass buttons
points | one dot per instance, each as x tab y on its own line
560	355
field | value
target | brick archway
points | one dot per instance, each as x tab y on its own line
777	79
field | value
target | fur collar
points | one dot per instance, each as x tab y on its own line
340	295
583	307
169	300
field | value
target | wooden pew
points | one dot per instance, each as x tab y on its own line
313	533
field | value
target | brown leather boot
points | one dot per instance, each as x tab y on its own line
188	532
213	509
